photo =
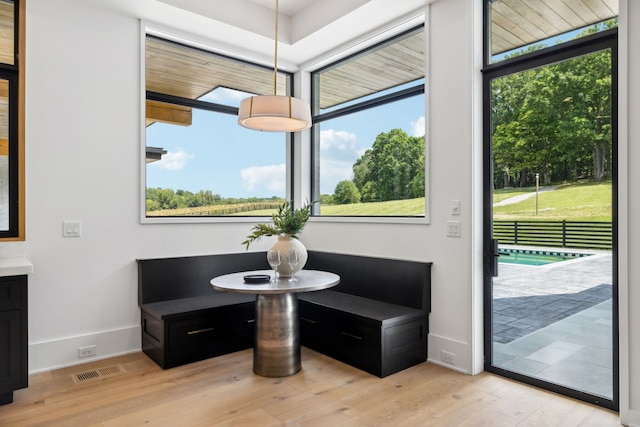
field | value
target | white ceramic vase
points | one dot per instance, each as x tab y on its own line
284	244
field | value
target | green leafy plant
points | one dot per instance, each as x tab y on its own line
286	221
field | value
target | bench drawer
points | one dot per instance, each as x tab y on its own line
357	343
316	324
195	332
199	338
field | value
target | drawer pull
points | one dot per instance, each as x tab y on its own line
355	337
304	319
200	331
251	320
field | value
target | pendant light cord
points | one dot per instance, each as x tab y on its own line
275	56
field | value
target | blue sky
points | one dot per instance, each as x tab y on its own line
217	154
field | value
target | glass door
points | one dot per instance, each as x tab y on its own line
550	246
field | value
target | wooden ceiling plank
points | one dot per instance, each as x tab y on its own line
566	13
6	33
521	21
557	23
168	113
187	72
512	20
499	44
509	32
600	9
613	6
583	11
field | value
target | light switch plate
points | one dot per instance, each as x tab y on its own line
453	228
71	229
455	207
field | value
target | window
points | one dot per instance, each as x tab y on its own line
11	122
368	134
198	161
518	27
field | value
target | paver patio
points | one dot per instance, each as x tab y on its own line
554	322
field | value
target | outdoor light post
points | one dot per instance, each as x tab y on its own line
537	190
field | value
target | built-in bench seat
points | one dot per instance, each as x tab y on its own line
183	319
376	319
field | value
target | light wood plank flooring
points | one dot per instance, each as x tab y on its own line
132	391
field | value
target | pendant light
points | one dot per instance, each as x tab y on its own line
274	113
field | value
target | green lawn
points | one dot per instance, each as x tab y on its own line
574	202
410	207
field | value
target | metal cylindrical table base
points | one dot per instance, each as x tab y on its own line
277	345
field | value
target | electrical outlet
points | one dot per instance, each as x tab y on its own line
86	351
447	357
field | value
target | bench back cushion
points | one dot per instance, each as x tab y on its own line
399	282
164	279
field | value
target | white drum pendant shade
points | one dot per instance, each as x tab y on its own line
274	113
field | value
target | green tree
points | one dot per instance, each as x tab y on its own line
392	168
326	199
345	193
553	120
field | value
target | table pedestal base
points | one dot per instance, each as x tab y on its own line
277	346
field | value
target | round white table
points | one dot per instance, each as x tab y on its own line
277	335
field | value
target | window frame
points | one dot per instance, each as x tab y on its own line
401	94
14	75
202	105
607	39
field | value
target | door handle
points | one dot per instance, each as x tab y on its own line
494	257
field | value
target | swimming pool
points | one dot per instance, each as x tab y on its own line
536	257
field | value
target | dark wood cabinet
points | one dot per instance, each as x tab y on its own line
13	336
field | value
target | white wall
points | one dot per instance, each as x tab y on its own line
83	163
630	212
83	160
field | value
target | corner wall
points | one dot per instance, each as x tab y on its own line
83	163
452	139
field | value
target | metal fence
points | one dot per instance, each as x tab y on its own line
568	234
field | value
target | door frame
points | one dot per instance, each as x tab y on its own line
600	41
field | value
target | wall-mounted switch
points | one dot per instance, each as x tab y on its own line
455	207
453	228
71	229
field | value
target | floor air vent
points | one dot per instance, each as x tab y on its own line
96	374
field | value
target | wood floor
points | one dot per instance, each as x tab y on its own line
132	391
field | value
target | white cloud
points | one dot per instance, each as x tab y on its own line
174	160
339	151
339	144
418	127
271	178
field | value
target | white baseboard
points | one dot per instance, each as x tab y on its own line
632	418
49	355
461	353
